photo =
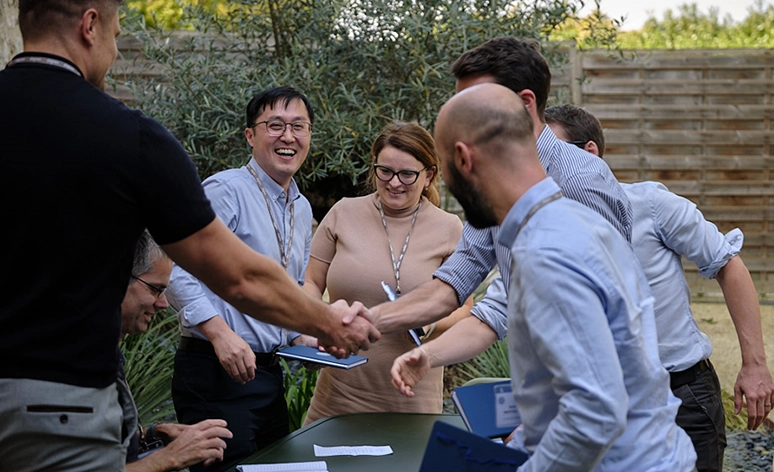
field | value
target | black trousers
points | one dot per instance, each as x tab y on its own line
701	415
256	412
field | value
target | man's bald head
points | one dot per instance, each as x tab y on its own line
485	114
486	143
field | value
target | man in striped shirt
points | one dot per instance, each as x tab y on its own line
519	66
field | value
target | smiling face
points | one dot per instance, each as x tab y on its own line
140	302
280	156
394	194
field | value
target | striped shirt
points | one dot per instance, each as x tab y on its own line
581	176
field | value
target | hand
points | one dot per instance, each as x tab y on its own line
235	355
408	369
754	383
353	333
304	340
197	443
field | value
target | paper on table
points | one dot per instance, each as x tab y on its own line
320	451
316	466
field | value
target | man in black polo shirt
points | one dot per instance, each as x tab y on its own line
82	176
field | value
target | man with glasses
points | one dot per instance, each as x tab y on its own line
184	445
225	366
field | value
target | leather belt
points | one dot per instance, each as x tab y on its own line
262	359
678	379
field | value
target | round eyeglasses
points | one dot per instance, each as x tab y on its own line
155	290
406	177
299	129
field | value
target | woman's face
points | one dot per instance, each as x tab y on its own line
397	165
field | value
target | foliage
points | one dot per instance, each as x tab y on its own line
169	14
149	366
363	64
733	422
299	387
690	27
491	363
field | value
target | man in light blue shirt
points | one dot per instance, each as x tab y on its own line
666	227
225	366
586	375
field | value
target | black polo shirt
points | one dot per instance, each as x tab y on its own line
81	175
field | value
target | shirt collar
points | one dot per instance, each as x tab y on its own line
520	209
273	189
545	142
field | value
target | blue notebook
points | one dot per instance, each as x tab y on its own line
451	449
488	409
311	354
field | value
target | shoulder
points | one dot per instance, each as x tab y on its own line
441	217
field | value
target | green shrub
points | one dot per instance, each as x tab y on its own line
363	64
299	388
149	366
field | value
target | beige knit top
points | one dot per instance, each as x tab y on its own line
351	238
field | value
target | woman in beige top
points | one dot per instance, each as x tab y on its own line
398	235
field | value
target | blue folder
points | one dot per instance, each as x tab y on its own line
451	449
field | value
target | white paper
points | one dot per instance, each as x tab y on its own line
506	413
317	466
321	451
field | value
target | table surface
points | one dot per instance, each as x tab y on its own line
406	433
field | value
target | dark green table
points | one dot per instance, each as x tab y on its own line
406	433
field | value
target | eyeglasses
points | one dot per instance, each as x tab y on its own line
580	144
406	177
156	291
299	129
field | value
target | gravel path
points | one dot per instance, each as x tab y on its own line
749	451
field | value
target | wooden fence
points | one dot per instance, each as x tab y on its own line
700	121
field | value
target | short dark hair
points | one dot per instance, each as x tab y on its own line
514	63
39	17
270	97
578	124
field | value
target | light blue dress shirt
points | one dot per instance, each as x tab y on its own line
667	226
588	382
582	177
239	203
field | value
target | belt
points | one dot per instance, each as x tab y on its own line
262	359
678	379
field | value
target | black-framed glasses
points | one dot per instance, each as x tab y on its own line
405	176
299	129
580	144
155	290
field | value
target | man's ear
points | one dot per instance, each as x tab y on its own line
591	147
249	136
89	25
528	98
464	157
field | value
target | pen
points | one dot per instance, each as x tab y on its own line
392	296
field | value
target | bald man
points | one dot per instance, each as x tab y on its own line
584	357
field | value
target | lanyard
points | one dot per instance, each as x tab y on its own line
396	264
50	61
284	254
537	207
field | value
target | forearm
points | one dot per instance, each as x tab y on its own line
742	302
425	304
462	342
159	461
444	324
254	284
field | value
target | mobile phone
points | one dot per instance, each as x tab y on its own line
392	296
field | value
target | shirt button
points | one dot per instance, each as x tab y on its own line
63	419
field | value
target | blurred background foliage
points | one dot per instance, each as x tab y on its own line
363	64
